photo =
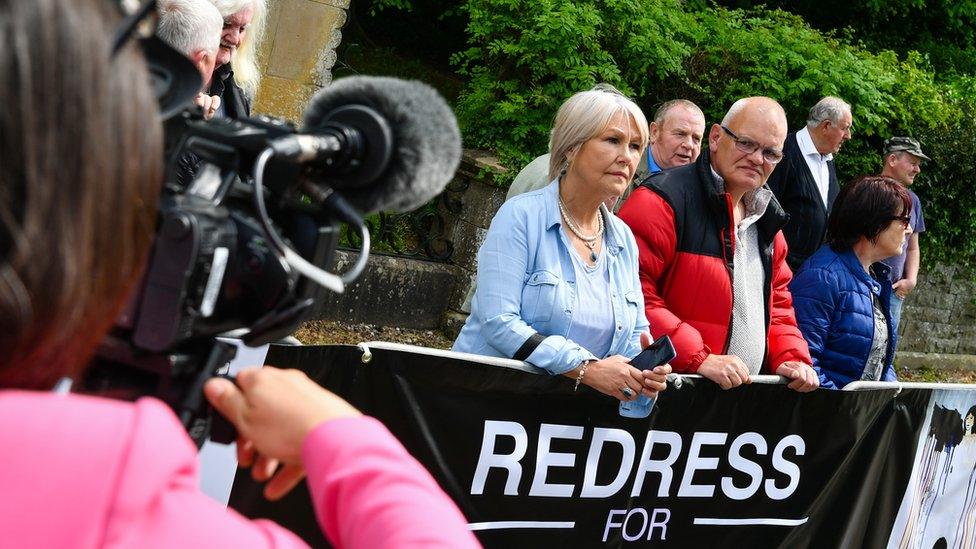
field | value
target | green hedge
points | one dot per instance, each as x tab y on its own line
524	57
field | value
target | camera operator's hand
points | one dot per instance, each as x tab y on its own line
274	411
209	104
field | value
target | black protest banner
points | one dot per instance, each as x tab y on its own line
532	463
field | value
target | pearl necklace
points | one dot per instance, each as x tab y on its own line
588	241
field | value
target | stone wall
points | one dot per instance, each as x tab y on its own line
298	53
392	291
480	202
414	293
940	316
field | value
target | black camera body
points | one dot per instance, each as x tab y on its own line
212	269
249	220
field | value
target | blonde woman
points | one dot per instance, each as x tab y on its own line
557	282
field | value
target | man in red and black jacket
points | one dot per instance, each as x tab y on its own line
713	257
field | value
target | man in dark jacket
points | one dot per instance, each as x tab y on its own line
713	258
805	183
233	100
243	20
192	27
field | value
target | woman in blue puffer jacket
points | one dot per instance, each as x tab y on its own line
841	293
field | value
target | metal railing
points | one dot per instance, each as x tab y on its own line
365	347
763	379
888	385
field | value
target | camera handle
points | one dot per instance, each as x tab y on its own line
194	411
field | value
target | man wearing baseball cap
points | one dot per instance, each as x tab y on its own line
903	159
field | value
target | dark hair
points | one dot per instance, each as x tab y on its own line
971	412
80	169
864	208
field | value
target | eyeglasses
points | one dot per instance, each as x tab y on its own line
748	146
904	219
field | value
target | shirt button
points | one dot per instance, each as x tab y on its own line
618	327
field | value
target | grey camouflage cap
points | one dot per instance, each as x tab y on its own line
906	144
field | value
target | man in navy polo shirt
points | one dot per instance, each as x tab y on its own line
903	159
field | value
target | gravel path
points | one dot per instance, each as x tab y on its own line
325	332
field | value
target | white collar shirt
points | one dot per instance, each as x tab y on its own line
816	162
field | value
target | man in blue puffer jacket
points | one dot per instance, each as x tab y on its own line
841	294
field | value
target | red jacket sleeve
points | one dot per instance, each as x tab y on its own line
651	219
785	343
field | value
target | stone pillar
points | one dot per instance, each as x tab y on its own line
481	200
298	53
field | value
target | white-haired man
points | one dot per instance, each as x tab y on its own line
712	258
805	183
236	76
192	27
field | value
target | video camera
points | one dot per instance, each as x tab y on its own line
249	220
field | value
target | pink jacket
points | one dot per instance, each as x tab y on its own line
88	472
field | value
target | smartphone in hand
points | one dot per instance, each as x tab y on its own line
658	353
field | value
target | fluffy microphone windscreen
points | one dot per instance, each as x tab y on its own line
427	141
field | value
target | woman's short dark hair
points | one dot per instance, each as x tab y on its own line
80	169
972	413
864	208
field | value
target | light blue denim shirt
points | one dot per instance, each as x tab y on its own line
526	284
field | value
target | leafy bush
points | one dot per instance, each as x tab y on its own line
527	57
942	30
524	57
949	201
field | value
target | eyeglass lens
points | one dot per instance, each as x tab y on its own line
750	147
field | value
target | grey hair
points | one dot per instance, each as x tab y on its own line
189	25
829	108
247	74
662	112
583	116
230	7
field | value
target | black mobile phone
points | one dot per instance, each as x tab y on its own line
658	353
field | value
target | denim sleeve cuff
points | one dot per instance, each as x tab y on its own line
558	355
